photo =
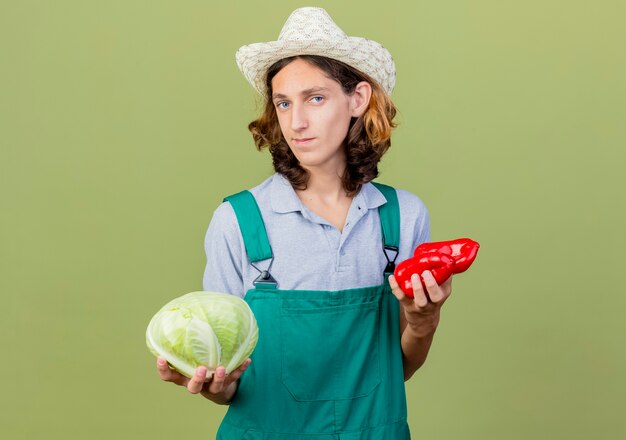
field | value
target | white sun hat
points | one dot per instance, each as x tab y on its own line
311	31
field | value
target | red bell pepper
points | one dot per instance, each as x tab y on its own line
442	258
463	250
441	266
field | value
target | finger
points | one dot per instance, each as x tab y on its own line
420	298
434	291
218	381
197	381
236	374
395	288
393	283
398	293
446	287
169	375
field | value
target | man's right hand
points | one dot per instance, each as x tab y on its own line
220	388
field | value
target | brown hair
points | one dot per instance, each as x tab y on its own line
368	138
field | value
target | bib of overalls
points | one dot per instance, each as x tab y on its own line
328	364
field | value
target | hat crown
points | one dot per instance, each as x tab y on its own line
311	31
305	24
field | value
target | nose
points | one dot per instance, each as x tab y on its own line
298	118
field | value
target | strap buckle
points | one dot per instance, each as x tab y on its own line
265	278
391	263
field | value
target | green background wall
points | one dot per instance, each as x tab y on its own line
122	125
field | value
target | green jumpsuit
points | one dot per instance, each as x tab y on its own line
328	364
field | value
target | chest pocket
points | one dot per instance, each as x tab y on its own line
331	352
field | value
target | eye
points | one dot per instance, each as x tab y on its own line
282	105
317	99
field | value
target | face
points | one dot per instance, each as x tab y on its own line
314	115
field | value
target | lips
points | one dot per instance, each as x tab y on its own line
302	141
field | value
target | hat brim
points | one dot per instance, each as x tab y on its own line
364	55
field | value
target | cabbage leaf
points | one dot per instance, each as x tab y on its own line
203	328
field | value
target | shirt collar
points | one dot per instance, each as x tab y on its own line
284	199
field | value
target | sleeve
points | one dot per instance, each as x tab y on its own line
415	223
224	248
422	230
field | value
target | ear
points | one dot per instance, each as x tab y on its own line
360	99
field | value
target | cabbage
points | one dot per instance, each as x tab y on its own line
203	328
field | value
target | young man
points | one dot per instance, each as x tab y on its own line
313	247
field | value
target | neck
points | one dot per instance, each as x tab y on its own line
326	197
324	186
325	179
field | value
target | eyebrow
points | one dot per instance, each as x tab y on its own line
304	92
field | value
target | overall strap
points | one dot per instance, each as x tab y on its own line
390	224
251	226
254	235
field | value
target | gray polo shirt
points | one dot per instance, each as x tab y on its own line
309	252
